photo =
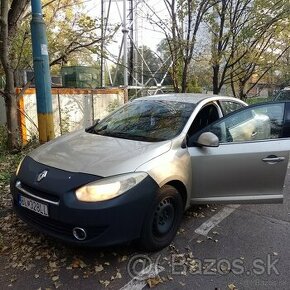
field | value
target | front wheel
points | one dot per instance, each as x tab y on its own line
163	219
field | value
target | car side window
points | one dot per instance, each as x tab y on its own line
255	123
207	115
230	106
283	95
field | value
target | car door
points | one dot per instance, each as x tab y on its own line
250	163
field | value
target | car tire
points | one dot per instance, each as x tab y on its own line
162	220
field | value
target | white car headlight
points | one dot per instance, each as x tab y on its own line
109	188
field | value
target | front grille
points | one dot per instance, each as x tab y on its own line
39	193
53	226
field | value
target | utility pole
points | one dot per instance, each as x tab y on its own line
41	73
131	47
125	43
136	65
102	43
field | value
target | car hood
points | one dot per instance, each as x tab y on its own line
95	154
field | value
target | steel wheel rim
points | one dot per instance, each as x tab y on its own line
164	217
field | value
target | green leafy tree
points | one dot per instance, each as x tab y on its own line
246	41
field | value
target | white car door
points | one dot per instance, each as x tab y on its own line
250	162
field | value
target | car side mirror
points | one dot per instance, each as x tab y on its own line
208	139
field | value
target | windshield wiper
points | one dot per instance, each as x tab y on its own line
91	128
126	135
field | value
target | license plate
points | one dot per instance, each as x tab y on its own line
33	205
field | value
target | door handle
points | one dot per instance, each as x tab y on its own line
254	134
273	159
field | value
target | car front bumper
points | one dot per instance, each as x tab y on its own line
106	223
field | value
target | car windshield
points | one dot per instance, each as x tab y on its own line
146	120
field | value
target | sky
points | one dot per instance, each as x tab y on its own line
147	34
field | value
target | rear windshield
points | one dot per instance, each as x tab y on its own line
146	120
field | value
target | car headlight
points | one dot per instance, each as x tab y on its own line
19	166
109	188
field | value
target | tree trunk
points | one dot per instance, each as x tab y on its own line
9	91
184	77
174	77
242	95
11	112
215	79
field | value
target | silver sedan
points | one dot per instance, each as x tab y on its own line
132	175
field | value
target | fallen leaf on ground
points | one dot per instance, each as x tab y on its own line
57	284
55	278
232	286
99	268
106	283
124	258
52	264
152	282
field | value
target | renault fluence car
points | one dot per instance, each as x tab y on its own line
132	175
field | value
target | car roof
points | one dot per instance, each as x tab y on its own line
183	97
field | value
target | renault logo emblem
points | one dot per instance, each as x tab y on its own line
42	175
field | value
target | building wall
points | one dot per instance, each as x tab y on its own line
73	109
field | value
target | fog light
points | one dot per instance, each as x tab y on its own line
79	233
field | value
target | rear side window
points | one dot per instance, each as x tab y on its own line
283	95
230	106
